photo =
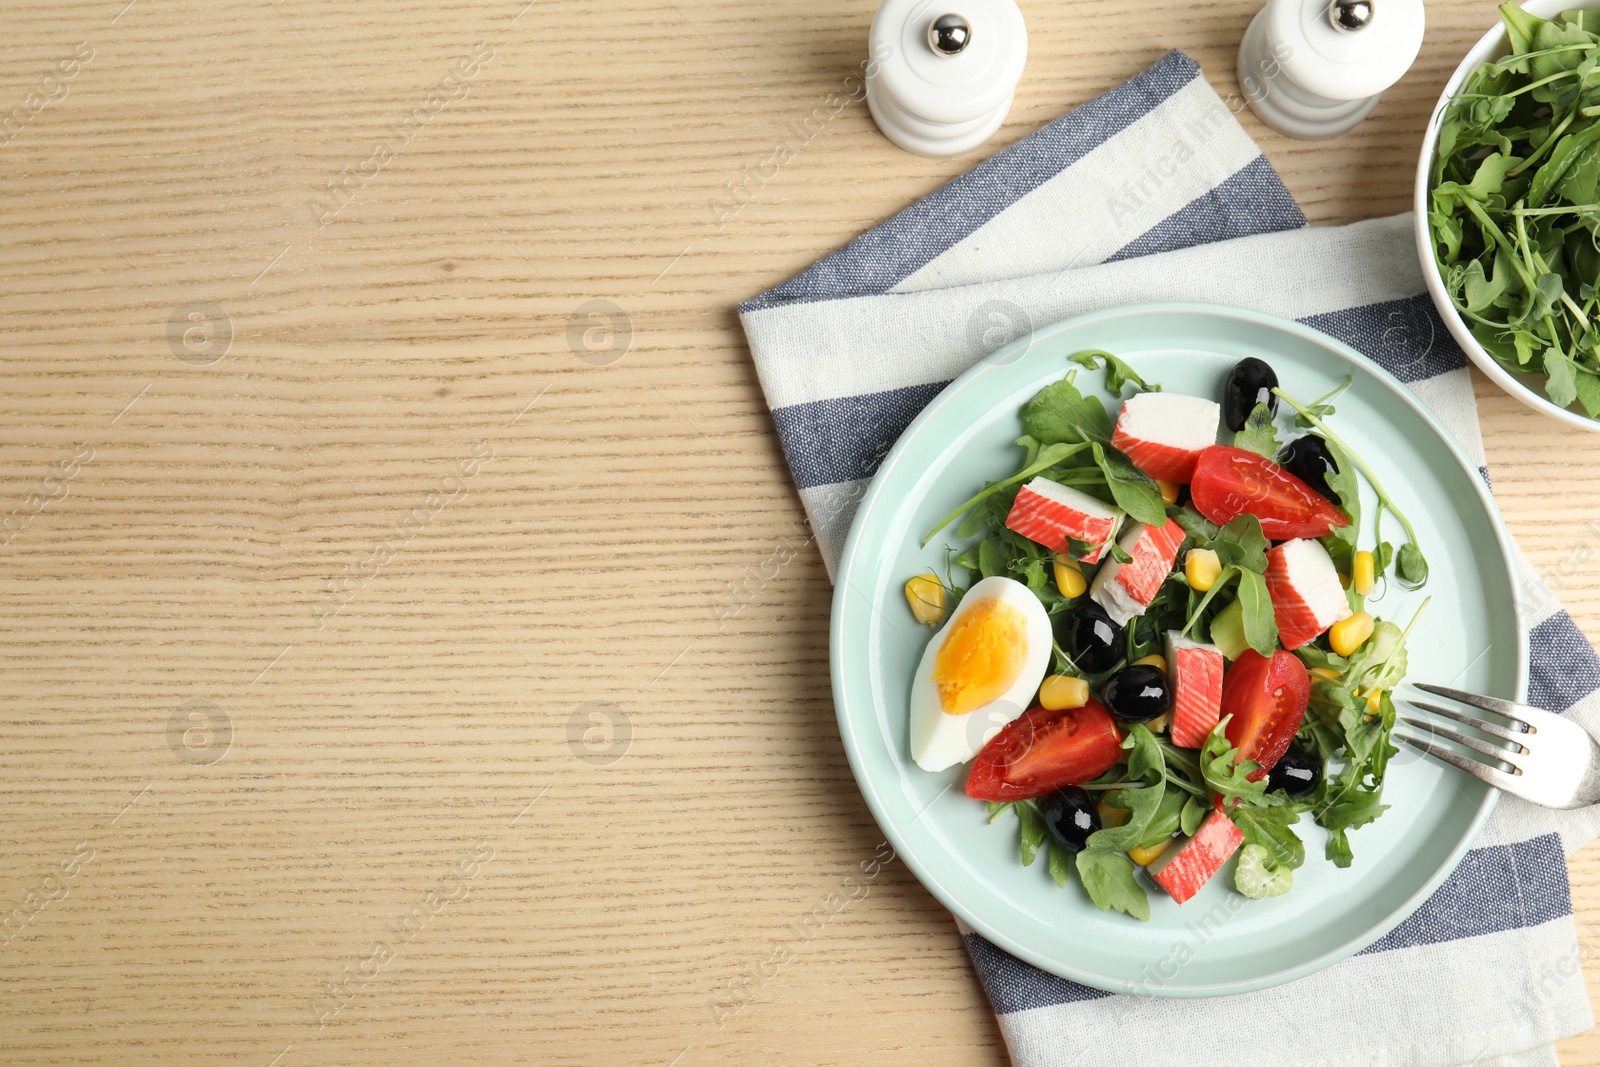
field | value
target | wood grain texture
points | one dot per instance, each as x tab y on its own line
384	409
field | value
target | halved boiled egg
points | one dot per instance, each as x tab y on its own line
979	672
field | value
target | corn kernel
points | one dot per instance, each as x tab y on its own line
1169	491
1374	701
1326	674
1152	661
1347	635
1144	857
926	596
1110	816
1160	723
1344	580
1201	569
1061	691
1070	581
1362	576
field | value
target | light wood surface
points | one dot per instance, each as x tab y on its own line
401	427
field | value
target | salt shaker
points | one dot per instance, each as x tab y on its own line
942	73
1313	69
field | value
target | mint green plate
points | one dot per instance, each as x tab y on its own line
1219	942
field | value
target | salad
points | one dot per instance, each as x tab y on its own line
1515	203
1168	653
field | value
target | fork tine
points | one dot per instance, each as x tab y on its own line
1507	708
1477	744
1471	720
1478	769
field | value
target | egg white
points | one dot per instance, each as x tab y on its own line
940	740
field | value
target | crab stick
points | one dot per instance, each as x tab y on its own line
1125	590
1163	433
1306	595
1049	513
1183	870
1196	670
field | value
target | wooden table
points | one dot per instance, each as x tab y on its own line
409	660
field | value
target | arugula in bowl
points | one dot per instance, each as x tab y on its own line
1515	204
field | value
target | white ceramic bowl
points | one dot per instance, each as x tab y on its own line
1528	388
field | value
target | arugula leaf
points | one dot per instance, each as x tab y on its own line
1258	434
1118	373
1410	565
1134	491
1142	804
1145	760
1260	623
1381	557
1228	775
1242	544
1061	866
1058	413
1272	829
1033	831
1193	814
1108	876
1193	524
990	559
1343	483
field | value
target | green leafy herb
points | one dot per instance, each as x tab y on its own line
1108	876
1134	491
1258	434
1339	722
1341	541
1225	773
1032	830
1143	806
1145	760
1194	525
1515	204
1118	373
1273	830
1059	413
1260	624
1061	866
1413	569
1193	814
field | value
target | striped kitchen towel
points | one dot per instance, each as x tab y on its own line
1154	192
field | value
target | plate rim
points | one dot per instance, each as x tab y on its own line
891	830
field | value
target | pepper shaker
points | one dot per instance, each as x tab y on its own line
1314	69
942	73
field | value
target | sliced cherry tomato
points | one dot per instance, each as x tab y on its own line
1041	751
1267	699
1229	482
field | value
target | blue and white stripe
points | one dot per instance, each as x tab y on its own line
1153	191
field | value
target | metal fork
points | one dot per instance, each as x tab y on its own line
1545	759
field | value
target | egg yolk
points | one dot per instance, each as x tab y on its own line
981	656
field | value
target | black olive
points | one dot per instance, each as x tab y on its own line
1138	693
1092	640
1297	773
1307	458
1070	816
1250	382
